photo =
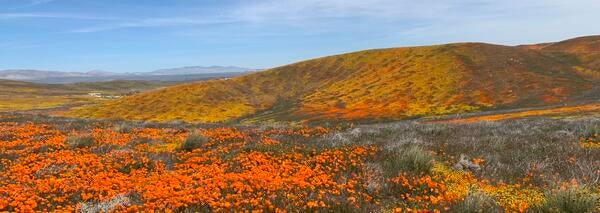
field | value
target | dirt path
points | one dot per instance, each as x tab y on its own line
520	114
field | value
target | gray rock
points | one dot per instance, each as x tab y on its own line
465	164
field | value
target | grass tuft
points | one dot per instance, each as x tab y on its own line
413	159
573	200
193	141
80	141
477	202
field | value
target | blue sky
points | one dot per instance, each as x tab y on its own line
144	35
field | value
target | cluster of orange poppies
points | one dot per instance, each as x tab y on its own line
593	141
42	172
233	169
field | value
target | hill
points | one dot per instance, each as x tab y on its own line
392	83
584	51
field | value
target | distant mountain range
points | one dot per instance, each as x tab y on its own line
191	73
31	75
199	70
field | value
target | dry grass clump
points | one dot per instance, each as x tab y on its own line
84	141
193	141
477	202
412	159
571	200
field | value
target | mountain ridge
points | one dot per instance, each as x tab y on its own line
199	70
43	76
30	74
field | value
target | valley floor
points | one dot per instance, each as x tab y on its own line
533	164
36	97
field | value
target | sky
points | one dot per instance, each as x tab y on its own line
145	35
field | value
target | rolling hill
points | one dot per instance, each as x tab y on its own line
391	83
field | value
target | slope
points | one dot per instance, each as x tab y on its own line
584	51
375	84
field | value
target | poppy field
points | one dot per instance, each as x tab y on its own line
65	165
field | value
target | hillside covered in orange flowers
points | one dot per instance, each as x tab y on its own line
380	84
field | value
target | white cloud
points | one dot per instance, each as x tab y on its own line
154	22
314	9
51	16
318	15
287	11
37	2
32	3
272	10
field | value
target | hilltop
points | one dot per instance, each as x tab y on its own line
393	83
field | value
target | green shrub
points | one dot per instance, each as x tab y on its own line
412	159
476	203
193	141
80	141
573	200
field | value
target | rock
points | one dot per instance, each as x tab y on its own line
464	164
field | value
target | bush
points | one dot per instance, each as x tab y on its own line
193	141
413	159
476	203
80	141
569	200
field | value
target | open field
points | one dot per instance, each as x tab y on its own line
22	96
19	103
535	164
